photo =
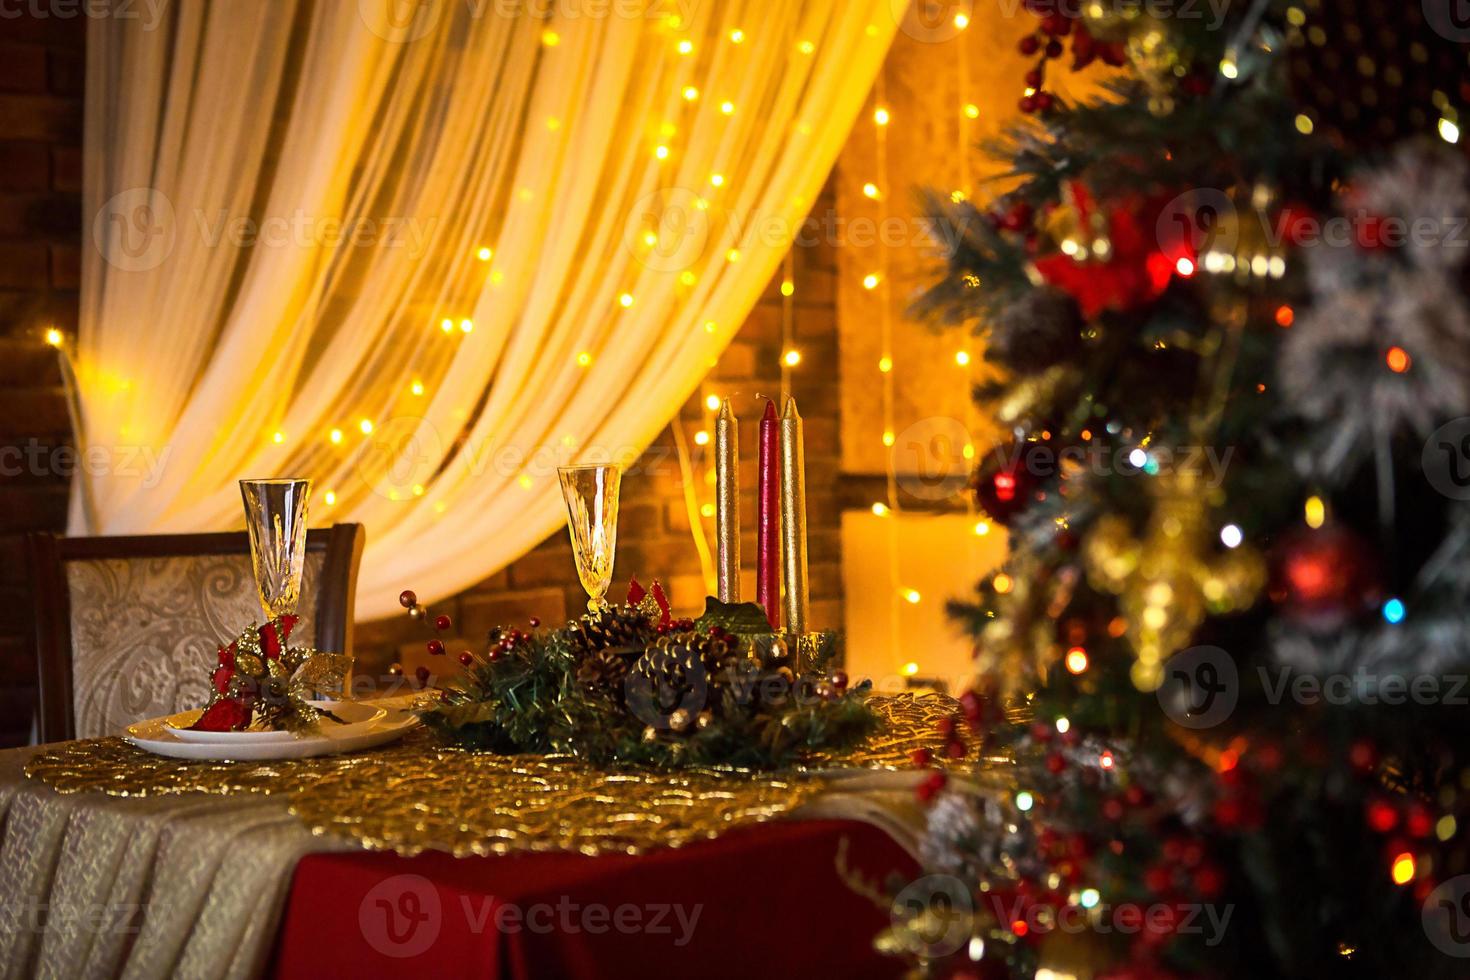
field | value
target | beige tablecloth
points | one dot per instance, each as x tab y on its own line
99	886
193	885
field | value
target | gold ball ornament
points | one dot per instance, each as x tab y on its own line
680	719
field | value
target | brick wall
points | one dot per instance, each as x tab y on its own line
655	537
41	74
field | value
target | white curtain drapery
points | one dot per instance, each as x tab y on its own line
423	253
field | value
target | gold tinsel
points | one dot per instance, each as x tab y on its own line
416	795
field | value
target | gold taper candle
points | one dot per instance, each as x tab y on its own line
727	503
793	520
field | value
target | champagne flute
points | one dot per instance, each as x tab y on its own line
275	515
591	493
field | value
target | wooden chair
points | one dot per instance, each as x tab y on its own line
127	628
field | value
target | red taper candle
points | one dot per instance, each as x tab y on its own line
767	517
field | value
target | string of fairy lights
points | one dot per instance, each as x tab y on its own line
663	147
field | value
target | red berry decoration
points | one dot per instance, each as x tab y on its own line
535	622
1027	103
838	680
922	757
442	622
1044	101
1029	45
436	648
1053	48
466	658
955	749
1055	763
407	599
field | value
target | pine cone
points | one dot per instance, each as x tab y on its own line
602	672
687	670
613	627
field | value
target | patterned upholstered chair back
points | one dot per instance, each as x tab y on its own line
134	635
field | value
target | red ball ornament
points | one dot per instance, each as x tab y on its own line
535	622
1029	45
442	622
436	648
838	680
466	658
1324	577
407	599
1008	485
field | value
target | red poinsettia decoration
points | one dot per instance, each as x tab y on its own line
1137	266
259	676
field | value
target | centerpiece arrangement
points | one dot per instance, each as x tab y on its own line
631	683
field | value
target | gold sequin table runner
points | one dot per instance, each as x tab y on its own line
118	862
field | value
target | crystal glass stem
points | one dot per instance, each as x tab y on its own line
275	515
591	495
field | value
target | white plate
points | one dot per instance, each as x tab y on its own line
153	736
357	716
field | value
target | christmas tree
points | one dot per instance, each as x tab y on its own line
1226	311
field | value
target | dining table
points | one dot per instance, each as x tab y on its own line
416	860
